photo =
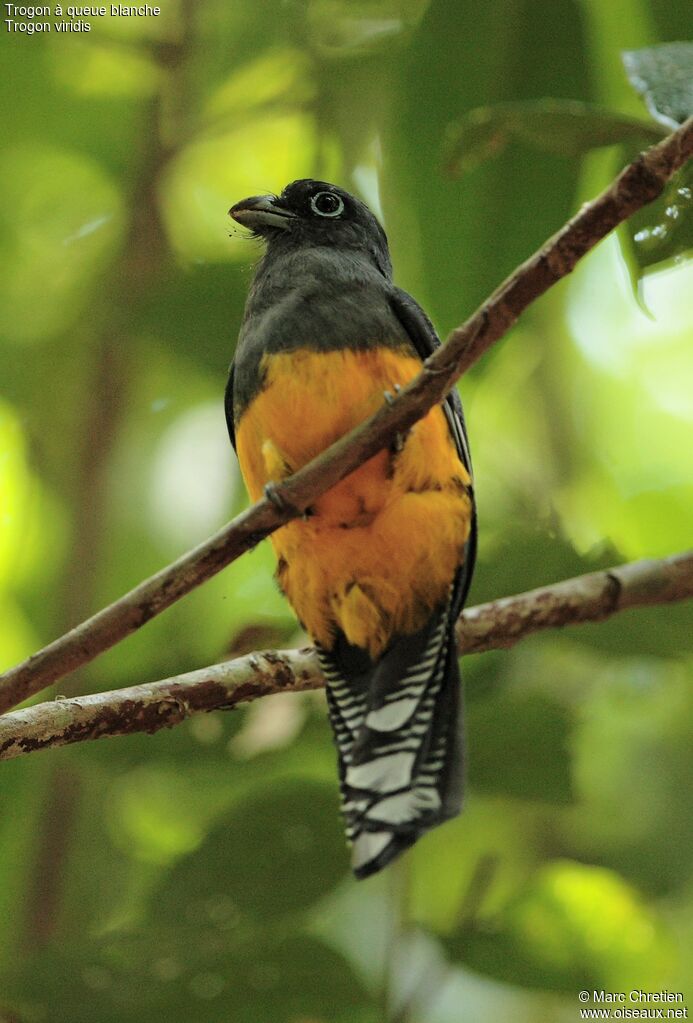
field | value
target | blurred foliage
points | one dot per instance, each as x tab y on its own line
201	874
663	74
557	126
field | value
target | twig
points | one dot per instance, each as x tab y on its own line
155	705
585	598
638	184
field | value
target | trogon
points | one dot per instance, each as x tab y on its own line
378	568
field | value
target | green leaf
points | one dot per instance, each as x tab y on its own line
204	973
561	126
452	243
297	978
573	926
662	232
633	755
61	218
519	746
278	851
474	865
663	75
531	553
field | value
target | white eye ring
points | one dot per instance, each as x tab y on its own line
339	208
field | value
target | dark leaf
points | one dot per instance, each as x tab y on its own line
532	553
279	850
452	242
560	126
519	746
201	974
663	75
297	978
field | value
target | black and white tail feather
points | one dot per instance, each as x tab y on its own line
397	726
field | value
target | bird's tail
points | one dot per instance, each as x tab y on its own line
397	726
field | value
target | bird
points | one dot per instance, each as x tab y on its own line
378	568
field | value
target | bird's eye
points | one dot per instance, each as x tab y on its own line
327	204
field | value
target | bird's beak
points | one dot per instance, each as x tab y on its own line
261	211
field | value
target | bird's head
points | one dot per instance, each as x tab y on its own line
313	214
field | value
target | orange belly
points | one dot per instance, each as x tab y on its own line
381	549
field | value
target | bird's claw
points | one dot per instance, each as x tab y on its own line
273	495
389	396
281	504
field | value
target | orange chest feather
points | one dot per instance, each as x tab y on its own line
381	547
310	399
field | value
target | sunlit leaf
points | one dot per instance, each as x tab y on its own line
573	927
262	154
156	815
474	865
14	485
103	70
61	217
193	476
276	76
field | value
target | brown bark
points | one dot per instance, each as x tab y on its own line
501	623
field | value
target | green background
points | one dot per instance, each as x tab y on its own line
201	874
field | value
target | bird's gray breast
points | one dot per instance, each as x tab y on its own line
319	299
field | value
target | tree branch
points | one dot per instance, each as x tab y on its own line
156	705
638	184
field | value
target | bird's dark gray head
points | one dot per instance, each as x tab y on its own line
315	214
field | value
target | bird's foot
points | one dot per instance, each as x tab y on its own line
279	502
399	441
282	505
389	396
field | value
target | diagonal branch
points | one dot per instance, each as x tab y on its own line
638	184
156	705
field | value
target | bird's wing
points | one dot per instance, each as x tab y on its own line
423	336
228	407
